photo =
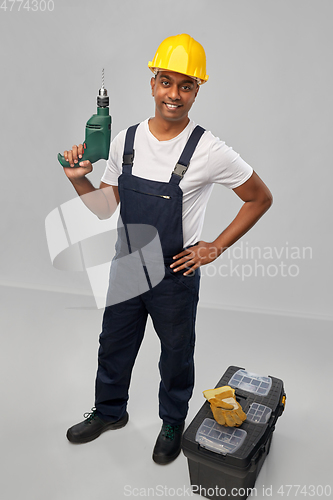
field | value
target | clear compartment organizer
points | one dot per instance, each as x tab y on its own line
251	382
258	414
218	438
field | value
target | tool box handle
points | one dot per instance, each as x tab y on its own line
266	445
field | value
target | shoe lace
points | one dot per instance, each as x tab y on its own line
168	430
89	416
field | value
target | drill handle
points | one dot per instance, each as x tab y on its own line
65	163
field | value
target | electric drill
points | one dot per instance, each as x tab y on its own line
98	131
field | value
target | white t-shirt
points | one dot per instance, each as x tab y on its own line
212	162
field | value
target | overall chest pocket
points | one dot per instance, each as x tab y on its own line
164	196
159	209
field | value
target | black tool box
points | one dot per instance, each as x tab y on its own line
225	461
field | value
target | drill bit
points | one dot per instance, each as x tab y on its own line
102	98
103	78
102	90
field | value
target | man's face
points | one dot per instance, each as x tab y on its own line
174	94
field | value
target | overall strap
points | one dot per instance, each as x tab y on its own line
185	158
128	155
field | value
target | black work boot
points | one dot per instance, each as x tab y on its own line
168	444
92	427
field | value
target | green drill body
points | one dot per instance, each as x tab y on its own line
98	133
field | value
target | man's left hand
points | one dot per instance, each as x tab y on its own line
194	257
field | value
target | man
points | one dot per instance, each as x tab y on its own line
162	173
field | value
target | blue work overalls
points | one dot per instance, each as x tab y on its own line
171	304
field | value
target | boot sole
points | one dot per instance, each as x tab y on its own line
112	426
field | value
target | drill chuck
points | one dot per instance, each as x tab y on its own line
102	100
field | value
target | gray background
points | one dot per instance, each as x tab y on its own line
269	97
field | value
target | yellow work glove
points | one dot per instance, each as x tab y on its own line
224	406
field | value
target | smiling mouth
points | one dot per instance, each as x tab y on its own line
172	106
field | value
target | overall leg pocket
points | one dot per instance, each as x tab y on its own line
190	281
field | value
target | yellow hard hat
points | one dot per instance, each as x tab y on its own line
182	54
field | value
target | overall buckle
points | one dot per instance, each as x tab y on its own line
180	169
128	158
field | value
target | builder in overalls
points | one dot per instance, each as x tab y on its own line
162	172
